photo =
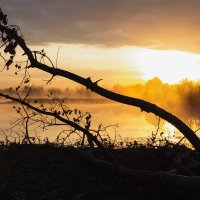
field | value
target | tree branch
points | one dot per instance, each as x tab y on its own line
143	105
66	121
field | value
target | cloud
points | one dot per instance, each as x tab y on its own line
160	24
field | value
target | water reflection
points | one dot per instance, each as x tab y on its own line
132	123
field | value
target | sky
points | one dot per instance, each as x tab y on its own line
121	41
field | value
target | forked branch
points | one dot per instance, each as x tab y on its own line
93	86
58	116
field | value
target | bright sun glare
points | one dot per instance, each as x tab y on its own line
169	66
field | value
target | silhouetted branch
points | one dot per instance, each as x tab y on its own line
141	176
143	105
57	56
58	116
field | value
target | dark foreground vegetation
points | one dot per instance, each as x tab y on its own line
50	172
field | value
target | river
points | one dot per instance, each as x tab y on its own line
129	122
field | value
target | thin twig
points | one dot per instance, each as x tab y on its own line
57	56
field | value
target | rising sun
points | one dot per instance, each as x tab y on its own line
169	66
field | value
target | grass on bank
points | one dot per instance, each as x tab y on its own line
46	171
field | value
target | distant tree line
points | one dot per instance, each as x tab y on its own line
186	93
183	95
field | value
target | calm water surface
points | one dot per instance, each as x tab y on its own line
132	123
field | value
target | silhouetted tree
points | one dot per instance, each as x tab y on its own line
11	38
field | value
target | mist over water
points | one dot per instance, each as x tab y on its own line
132	124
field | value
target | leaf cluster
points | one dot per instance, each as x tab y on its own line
8	42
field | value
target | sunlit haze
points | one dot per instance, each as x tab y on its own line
169	66
125	42
127	65
123	65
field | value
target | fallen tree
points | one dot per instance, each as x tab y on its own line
11	37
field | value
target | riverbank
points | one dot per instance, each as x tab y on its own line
48	172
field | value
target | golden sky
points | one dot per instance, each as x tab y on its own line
120	41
